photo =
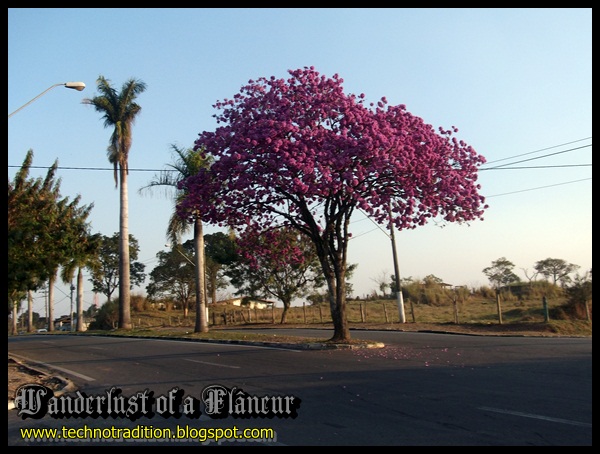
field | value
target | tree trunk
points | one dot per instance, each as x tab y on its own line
15	315
51	303
336	284
331	247
29	311
333	264
286	306
213	289
201	318
79	301
499	306
124	278
337	305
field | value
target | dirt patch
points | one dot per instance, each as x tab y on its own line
20	374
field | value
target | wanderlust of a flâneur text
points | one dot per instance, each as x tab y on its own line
216	401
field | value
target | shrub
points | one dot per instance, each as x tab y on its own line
107	316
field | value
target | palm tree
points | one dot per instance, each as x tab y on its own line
188	162
119	111
84	254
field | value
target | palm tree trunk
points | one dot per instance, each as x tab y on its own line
29	311
79	300
15	316
51	303
201	316
124	279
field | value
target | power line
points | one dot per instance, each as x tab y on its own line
562	166
489	168
500	167
540	157
539	187
378	226
107	169
541	149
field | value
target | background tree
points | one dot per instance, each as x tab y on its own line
279	263
30	319
69	231
187	163
300	153
14	306
556	269
382	282
107	317
404	282
501	273
318	296
84	255
119	111
44	229
428	290
431	280
32	213
28	212
105	272
529	276
580	295
220	251
174	277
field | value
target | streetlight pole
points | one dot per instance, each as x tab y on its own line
72	85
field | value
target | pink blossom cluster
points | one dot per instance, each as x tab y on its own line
299	151
280	248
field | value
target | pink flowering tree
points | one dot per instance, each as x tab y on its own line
300	153
280	263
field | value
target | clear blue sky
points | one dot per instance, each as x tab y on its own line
517	83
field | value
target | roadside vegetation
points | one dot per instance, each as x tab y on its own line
537	308
287	237
432	308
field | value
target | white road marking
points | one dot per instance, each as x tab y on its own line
213	364
51	366
529	415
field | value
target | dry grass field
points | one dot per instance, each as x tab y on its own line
476	316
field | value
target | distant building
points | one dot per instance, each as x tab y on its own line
63	323
249	303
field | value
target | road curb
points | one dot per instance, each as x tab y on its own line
66	384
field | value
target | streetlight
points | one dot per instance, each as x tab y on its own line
73	85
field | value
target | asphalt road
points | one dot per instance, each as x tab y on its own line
420	390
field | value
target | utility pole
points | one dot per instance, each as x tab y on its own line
399	297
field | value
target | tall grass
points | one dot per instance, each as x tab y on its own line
472	310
